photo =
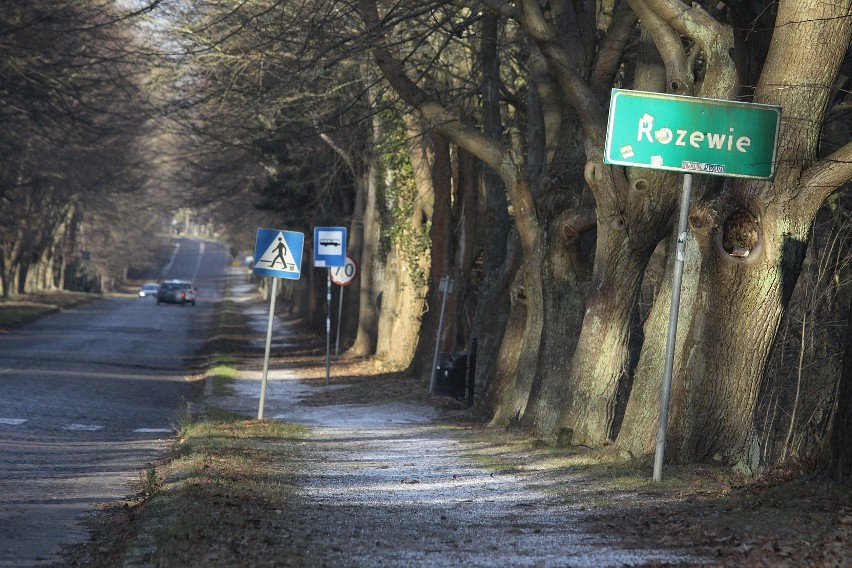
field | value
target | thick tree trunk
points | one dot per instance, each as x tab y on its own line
493	325
563	303
407	267
518	358
440	256
730	344
600	362
368	302
397	324
841	436
740	295
729	314
493	302
468	215
638	430
514	372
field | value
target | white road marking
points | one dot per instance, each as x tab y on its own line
82	428
13	421
154	430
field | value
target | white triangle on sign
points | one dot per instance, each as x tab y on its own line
278	256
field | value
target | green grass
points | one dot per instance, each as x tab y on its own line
215	414
222	377
229	483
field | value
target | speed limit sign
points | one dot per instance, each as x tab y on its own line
345	275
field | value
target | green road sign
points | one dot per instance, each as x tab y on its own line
693	135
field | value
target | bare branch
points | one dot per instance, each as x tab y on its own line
715	41
825	177
611	50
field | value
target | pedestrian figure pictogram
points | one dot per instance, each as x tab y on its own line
278	253
281	250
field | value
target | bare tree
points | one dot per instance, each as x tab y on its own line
71	115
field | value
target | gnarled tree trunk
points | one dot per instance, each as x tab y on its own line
741	295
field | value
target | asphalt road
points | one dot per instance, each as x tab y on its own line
88	398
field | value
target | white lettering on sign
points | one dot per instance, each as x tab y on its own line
696	139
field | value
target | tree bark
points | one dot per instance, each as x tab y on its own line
841	436
440	260
721	354
406	268
498	266
505	161
368	308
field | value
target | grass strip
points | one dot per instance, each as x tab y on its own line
222	378
20	310
222	501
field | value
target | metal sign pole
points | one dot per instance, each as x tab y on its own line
446	287
273	293
339	317
672	337
328	330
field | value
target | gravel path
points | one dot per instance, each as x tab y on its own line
388	484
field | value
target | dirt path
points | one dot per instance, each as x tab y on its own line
387	484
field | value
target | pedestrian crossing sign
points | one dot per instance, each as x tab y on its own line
278	253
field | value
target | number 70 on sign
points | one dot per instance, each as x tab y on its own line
345	275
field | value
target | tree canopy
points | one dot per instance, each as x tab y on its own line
466	139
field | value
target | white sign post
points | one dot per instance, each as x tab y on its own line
273	248
446	286
343	276
330	252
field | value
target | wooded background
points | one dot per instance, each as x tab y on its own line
465	139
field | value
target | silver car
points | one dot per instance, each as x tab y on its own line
176	292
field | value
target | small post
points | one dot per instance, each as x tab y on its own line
272	293
328	330
339	317
471	371
672	335
446	287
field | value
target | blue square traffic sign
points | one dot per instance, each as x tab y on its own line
278	253
329	246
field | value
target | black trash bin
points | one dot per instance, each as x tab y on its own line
451	374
